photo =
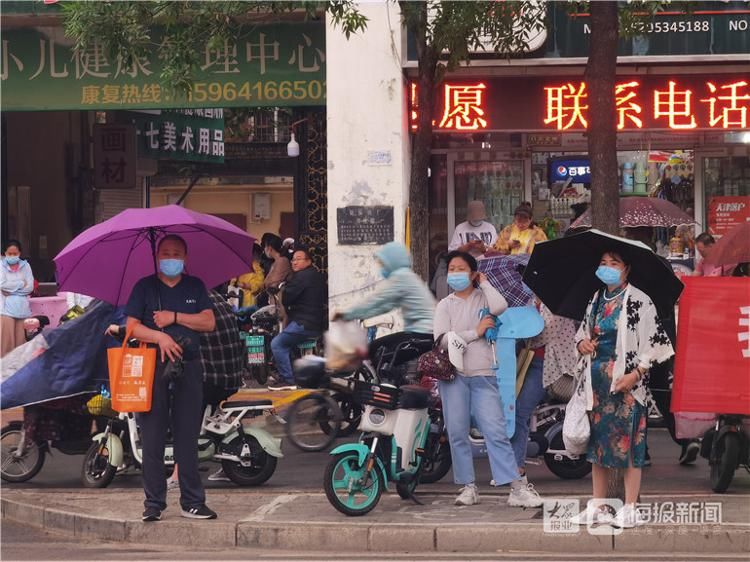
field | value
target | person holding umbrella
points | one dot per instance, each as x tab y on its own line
165	309
140	258
620	339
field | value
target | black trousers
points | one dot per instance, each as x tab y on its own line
180	410
660	389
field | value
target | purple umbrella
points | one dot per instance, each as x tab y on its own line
505	273
108	259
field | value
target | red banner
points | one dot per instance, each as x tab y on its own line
712	367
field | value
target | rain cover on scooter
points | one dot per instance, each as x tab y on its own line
74	363
515	323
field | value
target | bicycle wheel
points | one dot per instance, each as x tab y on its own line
307	417
19	467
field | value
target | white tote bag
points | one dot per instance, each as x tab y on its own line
576	430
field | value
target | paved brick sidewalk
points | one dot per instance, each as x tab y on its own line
306	521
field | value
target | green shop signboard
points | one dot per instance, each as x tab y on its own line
279	65
187	134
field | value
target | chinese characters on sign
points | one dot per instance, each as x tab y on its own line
559	514
114	157
196	135
462	109
673	106
726	213
358	226
275	65
532	104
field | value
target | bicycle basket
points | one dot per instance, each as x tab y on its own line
384	396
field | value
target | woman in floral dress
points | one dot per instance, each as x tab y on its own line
620	339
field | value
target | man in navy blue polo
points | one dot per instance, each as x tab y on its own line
164	308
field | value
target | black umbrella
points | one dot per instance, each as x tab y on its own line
562	272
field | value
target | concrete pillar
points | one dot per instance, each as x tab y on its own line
367	125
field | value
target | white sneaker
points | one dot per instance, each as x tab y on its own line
593	514
219	476
524	496
628	517
468	495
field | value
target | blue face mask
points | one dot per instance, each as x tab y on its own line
12	260
171	268
459	281
608	275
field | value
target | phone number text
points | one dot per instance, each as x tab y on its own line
271	90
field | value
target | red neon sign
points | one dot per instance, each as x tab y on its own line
626	106
726	114
688	102
566	106
464	108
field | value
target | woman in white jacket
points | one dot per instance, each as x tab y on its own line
620	339
16	283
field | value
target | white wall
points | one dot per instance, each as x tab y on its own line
366	106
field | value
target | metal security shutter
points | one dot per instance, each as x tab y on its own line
113	201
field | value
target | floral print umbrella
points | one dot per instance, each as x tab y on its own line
643	211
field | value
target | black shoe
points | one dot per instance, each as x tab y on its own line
151	514
283	385
201	512
689	453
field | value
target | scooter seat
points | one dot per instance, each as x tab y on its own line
246	404
413	397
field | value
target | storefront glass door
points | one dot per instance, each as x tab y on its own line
455	179
499	184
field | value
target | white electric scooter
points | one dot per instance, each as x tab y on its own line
248	453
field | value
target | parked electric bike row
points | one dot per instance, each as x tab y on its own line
247	452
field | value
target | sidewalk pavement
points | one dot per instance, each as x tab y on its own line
305	521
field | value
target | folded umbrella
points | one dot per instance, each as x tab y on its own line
562	272
108	259
643	211
733	247
505	273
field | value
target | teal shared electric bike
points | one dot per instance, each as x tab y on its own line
395	425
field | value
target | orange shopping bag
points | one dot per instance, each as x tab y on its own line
131	376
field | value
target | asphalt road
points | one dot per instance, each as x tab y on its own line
299	471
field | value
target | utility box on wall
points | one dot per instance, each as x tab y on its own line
261	207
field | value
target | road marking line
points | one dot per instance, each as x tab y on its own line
269	508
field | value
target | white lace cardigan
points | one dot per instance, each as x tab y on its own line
641	342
